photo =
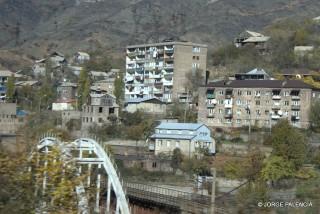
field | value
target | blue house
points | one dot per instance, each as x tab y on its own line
190	138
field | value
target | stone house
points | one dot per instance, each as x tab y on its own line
148	105
99	110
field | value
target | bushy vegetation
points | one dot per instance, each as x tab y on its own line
133	126
285	35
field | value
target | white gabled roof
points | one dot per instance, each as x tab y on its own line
254	34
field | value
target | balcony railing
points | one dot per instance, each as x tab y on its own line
295	107
276	97
210	115
275	117
295	118
228	115
276	106
131	54
295	97
211	105
211	96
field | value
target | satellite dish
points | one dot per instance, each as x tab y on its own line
214	101
280	112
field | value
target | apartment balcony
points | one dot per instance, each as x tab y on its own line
157	91
295	97
295	118
140	69
276	106
141	53
210	115
169	50
169	70
211	96
276	97
167	83
169	59
157	76
129	78
211	105
228	115
166	66
275	117
132	54
131	70
295	107
228	96
160	51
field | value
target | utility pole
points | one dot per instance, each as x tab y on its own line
213	190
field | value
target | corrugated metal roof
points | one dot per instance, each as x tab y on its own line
140	100
179	126
260	84
172	136
257	71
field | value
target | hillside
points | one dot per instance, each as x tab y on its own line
37	26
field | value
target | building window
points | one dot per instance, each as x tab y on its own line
220	111
248	93
286	93
258	93
196	49
198	57
295	113
100	120
177	144
193	57
228	121
111	110
154	165
258	112
239	92
220	102
221	92
168	143
286	103
239	102
257	102
238	111
238	121
100	109
168	132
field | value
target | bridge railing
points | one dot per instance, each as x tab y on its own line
169	197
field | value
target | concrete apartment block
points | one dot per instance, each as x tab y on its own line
236	103
159	70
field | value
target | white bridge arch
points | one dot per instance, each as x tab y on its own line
102	160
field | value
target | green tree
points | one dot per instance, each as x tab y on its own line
176	159
83	88
248	196
119	89
183	112
276	168
300	37
288	143
10	89
315	116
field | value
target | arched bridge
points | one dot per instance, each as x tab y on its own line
90	155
